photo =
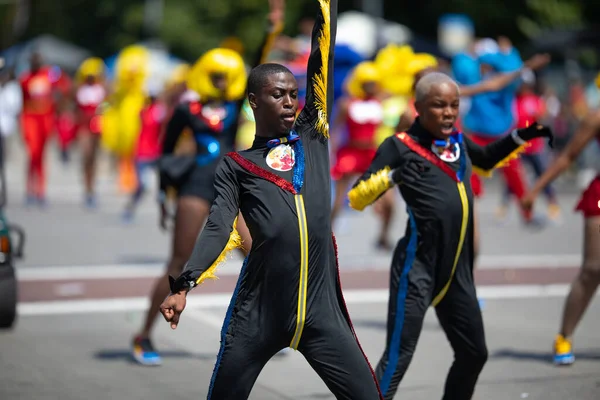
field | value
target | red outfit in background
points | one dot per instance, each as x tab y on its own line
38	123
354	158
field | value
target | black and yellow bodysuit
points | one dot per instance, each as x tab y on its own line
433	263
288	293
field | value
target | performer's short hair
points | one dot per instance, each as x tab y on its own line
428	81
259	74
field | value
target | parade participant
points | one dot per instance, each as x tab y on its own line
37	124
281	185
531	107
361	113
219	78
120	123
491	84
433	263
90	94
490	115
585	284
148	148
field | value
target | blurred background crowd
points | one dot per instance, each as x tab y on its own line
108	61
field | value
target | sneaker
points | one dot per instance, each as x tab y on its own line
144	353
563	351
90	202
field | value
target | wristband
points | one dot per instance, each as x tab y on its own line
179	284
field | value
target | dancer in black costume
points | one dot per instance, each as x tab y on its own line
433	262
214	121
288	293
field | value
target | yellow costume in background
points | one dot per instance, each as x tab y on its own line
121	118
399	65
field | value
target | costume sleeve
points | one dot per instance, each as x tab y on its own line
219	236
265	48
176	125
319	73
495	155
376	180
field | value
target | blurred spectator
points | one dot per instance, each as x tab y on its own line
11	104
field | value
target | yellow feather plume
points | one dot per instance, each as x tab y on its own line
503	163
367	191
234	242
320	80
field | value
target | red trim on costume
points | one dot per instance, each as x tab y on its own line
420	150
261	172
347	315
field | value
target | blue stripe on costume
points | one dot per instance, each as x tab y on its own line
394	352
225	327
298	178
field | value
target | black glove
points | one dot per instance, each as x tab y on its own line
410	171
536	130
183	282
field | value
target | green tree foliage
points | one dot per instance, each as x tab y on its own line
190	27
551	14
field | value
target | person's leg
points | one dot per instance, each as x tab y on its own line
341	190
384	207
460	317
190	217
335	355
410	296
141	168
89	150
32	139
244	351
582	290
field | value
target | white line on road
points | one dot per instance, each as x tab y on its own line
222	300
232	266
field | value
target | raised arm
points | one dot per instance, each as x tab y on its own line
588	130
276	25
498	153
218	236
377	179
502	80
319	90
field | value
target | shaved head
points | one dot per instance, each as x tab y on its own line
431	80
437	99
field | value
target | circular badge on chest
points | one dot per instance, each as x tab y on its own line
448	154
281	158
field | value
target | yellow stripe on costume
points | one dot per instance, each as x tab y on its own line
463	232
320	80
367	191
303	282
234	242
487	173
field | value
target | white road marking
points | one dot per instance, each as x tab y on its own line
202	302
233	265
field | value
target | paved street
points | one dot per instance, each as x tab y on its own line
85	356
84	280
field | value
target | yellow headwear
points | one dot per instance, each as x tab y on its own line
399	64
419	62
92	66
598	80
132	67
220	61
364	72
